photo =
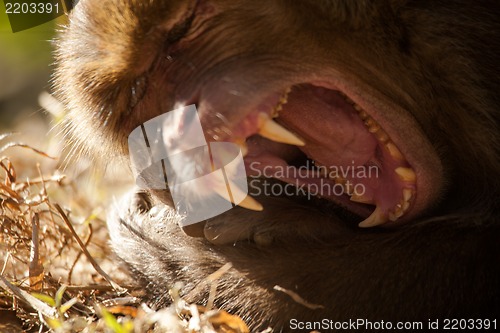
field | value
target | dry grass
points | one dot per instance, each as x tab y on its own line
54	256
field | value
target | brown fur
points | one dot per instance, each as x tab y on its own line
435	60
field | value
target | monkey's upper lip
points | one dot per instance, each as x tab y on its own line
331	147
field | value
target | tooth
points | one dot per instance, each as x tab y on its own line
374	128
406	174
274	131
392	217
406	205
375	219
382	136
349	188
369	122
243	147
276	111
284	97
362	113
340	180
358	108
248	202
407	194
251	204
361	199
394	151
282	101
397	213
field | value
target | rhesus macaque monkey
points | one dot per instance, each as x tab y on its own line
409	88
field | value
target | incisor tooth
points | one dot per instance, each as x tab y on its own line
248	202
406	174
394	151
274	131
375	219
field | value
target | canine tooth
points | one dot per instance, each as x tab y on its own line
357	108
375	219
274	131
251	204
394	151
407	194
248	202
406	174
361	199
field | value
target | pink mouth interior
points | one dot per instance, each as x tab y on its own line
338	140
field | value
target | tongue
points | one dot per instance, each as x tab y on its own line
335	135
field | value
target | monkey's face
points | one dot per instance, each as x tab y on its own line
351	92
379	112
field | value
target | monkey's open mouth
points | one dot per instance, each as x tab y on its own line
320	140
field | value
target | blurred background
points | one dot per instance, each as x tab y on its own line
35	176
25	67
25	70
